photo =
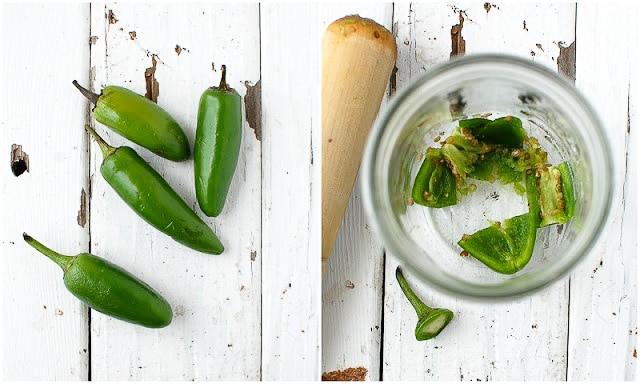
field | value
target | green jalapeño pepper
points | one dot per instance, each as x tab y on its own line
109	289
140	120
153	199
217	145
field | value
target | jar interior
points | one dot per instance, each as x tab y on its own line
426	238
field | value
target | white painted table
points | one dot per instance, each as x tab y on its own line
254	312
581	328
251	313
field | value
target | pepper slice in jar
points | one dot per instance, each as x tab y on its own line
507	248
435	184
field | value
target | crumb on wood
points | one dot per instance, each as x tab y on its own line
349	374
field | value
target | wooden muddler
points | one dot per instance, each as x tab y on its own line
358	56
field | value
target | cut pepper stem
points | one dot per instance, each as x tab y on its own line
431	321
106	149
421	308
93	97
62	260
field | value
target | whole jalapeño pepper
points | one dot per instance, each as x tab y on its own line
109	289
140	120
217	145
153	199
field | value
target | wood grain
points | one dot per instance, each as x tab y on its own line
290	208
543	337
604	288
352	286
43	324
216	299
497	329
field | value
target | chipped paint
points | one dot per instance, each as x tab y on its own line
153	87
458	45
488	6
133	35
253	108
567	60
393	81
180	49
19	160
111	17
82	212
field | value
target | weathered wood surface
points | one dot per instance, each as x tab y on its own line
254	312
251	313
584	327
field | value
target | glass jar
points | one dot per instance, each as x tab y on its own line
425	239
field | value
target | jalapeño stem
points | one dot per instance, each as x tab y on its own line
93	97
223	86
62	260
106	149
421	308
431	321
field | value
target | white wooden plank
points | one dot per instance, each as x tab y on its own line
291	256
215	332
45	330
352	284
603	327
485	341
